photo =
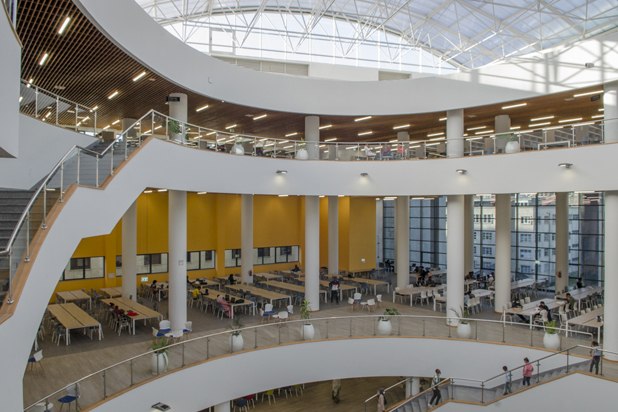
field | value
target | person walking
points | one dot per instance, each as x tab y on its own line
336	390
596	353
334	290
381	400
435	384
507	383
527	372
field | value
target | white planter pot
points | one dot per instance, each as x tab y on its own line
551	341
308	331
238	149
302	154
236	343
511	147
384	327
161	359
464	331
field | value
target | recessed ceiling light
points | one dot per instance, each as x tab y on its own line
365	133
94	108
539	124
21	98
602	110
332	139
362	118
291	134
43	59
328	126
201	193
116	122
485	132
390	198
111	96
542	118
401	127
515	105
59	87
260	117
282	171
106	127
340	195
598	116
438	138
391	141
29	82
199	109
570	120
139	76
435	134
476	128
210	134
515	127
230	127
585	191
147	191
588	94
161	190
443	119
322	145
283	195
471	116
158	127
65	23
461	171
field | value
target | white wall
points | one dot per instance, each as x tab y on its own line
320	361
528	76
347	73
10	71
42	145
575	392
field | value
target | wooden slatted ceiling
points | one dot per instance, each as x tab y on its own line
90	68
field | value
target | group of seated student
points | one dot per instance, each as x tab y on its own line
542	312
424	278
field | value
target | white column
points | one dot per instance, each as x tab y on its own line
413	386
129	252
468	233
562	240
379	231
454	255
312	251
502	124
312	136
610	104
503	251
402	240
333	234
179	110
246	241
223	407
454	133
177	258
610	339
404	137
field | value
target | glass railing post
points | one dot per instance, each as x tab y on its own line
538	371
76	114
350	327
111	161
279	333
44	224
95	122
327	330
482	392
183	356
105	381
57	105
36	102
9	298
255	338
208	348
79	152
568	354
131	363
96	172
27	259
423	325
61	180
167	134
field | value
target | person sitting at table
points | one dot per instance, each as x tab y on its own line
469	276
226	308
580	283
570	301
296	269
543	313
385	152
196	293
230	279
516	305
429	282
153	286
118	311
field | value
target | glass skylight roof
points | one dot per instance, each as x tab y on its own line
425	36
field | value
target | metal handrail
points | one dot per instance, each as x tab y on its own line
26	82
300	321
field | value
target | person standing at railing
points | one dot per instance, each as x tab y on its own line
527	372
595	352
381	400
507	383
435	384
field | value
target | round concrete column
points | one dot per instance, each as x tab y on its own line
502	124
333	234
178	110
413	386
312	251
610	104
177	258
246	241
454	133
402	240
312	136
468	233
562	240
454	256
503	251
129	252
610	339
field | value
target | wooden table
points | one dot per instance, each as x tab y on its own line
415	291
74	295
292	287
223	279
589	320
206	282
342	286
531	309
266	294
72	317
478	293
583	293
233	305
127	304
522	283
269	276
375	284
112	292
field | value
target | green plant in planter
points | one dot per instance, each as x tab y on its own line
388	312
510	137
302	145
550	327
461	315
159	346
173	126
305	310
236	325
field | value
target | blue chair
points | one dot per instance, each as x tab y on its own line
73	394
157	334
242	403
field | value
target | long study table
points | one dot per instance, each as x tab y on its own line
589	320
112	292
415	291
266	294
375	284
531	309
127	304
72	317
74	295
342	286
583	293
292	287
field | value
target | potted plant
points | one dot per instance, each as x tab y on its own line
301	152
512	142
384	322
305	314
238	148
159	360
236	340
551	340
464	330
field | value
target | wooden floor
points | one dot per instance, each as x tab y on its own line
83	356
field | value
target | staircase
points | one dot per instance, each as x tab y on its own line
489	394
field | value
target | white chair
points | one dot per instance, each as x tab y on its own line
188	327
371	305
397	296
40	407
124	323
378	301
268	308
290	311
165	326
264	316
358	297
423	295
157	334
351	305
282	316
527	299
36	360
506	315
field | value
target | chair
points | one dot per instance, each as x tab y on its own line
73	394
250	398
36	360
242	404
505	315
297	388
269	394
371	305
282	316
188	327
59	332
290	311
124	323
40	407
157	334
264	316
378	301
358	297
527	299
165	326
423	295
351	305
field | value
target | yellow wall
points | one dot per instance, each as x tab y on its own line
214	224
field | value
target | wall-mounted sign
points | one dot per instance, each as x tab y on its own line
595	98
145	279
172	99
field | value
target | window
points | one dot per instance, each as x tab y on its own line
525	253
84	268
488	236
152	263
487	251
118	266
232	258
264	255
526	269
525	238
526	220
201	260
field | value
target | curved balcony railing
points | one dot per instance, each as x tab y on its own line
123	375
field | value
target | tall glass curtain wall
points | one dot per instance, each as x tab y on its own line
427	231
533	235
